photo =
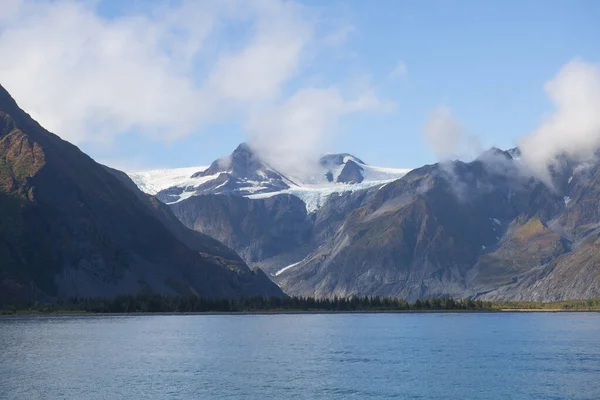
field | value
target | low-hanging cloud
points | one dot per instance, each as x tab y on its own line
573	128
291	135
571	132
447	138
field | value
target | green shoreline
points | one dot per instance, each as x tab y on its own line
290	312
154	304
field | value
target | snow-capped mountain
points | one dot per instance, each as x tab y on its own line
244	173
478	229
154	181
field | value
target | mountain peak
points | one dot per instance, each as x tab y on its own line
245	173
243	162
351	173
243	148
10	113
6	100
337	159
495	152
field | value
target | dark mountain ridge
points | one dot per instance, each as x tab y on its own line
71	227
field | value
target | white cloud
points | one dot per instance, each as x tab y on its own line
294	133
272	57
447	138
573	128
400	71
173	69
88	79
571	131
9	9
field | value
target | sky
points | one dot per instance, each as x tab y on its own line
142	85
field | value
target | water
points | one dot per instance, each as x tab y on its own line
327	356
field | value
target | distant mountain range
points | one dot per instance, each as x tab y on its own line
481	229
72	227
244	173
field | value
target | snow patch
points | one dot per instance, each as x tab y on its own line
314	196
154	181
312	190
348	158
371	173
281	271
190	185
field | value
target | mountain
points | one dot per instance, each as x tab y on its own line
152	182
270	232
483	229
245	173
477	229
242	173
269	218
72	227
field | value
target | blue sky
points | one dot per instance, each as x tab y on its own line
369	74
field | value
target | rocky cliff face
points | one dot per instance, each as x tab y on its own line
479	229
272	232
351	173
465	230
260	229
71	227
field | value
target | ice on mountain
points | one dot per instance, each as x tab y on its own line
262	181
282	270
154	181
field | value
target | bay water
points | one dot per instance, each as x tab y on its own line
302	356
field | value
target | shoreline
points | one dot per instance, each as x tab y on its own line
295	312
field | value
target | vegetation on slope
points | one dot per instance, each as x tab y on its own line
175	304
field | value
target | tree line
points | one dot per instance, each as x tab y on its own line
155	303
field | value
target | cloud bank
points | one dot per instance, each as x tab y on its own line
292	135
570	131
89	79
171	69
573	128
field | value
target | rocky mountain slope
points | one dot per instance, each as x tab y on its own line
72	227
269	218
483	229
477	229
271	232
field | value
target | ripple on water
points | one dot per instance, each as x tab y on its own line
338	356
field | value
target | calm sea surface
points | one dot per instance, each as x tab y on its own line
319	356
